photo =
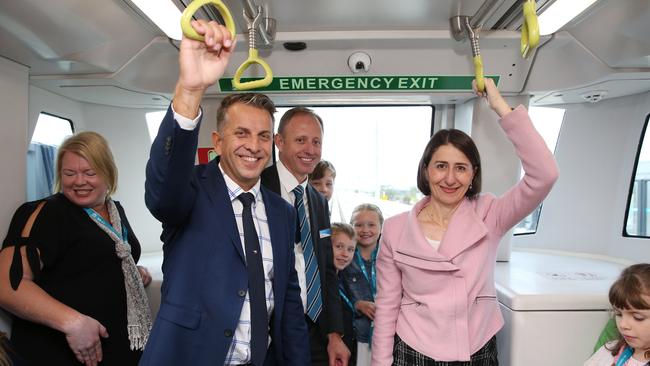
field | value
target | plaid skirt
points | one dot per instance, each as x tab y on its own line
404	355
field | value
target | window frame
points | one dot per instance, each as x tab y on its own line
624	232
57	116
431	129
276	123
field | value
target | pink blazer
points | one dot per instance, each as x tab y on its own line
443	303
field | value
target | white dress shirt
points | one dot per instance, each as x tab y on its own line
287	183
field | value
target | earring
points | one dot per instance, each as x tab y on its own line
470	187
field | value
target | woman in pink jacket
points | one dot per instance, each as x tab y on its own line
436	300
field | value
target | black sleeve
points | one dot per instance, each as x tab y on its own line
18	222
15	238
332	310
47	231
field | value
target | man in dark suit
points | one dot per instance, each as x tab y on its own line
299	139
230	294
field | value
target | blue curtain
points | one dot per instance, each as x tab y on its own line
40	170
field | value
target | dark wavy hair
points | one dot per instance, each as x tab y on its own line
462	142
321	168
628	292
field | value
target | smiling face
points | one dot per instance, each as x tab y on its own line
450	174
244	143
80	183
343	248
324	185
367	227
300	145
634	327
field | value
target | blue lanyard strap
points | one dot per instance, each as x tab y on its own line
123	236
372	279
627	353
345	298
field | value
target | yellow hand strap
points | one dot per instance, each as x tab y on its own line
529	29
253	58
194	6
478	73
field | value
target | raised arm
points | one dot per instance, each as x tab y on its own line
201	64
168	191
540	169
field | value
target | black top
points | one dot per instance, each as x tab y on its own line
81	270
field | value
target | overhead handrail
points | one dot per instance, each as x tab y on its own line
461	28
529	29
472	34
266	28
188	13
253	58
464	26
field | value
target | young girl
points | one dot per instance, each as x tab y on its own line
323	178
630	299
343	246
360	276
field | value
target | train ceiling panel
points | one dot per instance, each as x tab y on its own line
69	42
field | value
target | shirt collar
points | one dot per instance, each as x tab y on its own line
234	190
287	180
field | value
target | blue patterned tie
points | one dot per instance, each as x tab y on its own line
314	301
256	285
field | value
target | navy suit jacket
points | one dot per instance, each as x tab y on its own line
205	277
331	318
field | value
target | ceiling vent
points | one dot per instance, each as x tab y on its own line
594	96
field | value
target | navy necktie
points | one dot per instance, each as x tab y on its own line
256	284
312	276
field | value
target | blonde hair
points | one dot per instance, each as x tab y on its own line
94	148
368	207
343	228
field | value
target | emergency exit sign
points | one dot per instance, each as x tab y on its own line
362	83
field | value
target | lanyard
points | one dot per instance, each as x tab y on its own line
92	213
372	279
624	356
345	298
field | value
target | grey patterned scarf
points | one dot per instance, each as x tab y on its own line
137	303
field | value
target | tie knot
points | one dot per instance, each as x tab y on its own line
246	199
298	191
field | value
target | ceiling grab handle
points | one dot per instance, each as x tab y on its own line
472	34
188	13
529	29
253	58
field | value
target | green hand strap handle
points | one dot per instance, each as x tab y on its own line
253	58
194	6
529	29
478	73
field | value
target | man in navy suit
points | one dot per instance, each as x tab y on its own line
299	141
215	309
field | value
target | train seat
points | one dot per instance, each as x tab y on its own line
554	303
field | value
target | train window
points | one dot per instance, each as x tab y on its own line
637	217
49	133
548	122
376	151
154	119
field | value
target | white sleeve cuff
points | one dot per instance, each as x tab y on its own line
186	123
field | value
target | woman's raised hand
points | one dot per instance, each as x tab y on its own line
494	98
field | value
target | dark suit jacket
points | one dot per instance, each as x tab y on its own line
331	318
205	278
